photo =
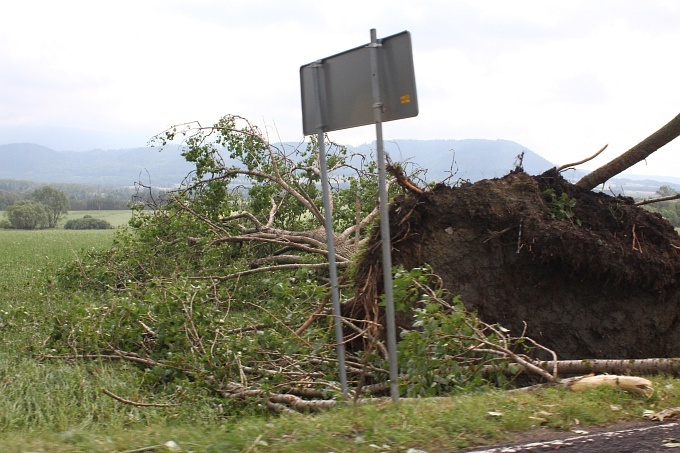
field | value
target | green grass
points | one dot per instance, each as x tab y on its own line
27	256
60	396
59	406
441	424
28	262
114	217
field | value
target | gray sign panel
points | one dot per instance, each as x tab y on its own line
345	86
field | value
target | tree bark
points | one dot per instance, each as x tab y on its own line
634	155
642	366
612	366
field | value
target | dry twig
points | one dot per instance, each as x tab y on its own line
573	164
134	403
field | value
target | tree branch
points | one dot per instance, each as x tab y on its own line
134	403
276	259
657	200
565	166
258	270
366	220
634	155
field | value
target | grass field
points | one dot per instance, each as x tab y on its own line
115	218
58	406
28	256
28	260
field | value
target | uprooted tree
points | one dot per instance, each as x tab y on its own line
582	273
224	282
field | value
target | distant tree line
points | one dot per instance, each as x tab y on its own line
81	197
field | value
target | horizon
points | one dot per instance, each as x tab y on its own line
629	173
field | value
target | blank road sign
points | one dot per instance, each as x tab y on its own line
345	90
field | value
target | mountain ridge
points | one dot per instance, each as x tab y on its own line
466	159
123	167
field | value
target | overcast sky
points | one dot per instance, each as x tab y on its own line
560	78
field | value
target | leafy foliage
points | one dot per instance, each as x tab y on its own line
561	207
7	199
448	349
188	289
27	215
163	291
237	168
55	203
43	210
81	197
87	223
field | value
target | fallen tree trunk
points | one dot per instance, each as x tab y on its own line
638	366
634	155
599	366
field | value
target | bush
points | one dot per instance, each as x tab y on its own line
5	224
87	223
27	215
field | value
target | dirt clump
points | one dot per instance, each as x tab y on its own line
588	274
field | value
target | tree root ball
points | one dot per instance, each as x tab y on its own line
588	275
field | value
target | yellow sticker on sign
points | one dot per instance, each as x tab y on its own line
405	99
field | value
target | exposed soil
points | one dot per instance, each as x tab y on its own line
603	284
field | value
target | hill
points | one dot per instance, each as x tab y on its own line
115	168
470	159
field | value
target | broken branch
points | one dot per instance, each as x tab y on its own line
573	164
134	403
657	200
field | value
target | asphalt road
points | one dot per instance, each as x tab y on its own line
659	437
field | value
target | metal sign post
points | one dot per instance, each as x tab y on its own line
368	84
385	236
330	239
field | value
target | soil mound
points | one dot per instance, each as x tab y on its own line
592	276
